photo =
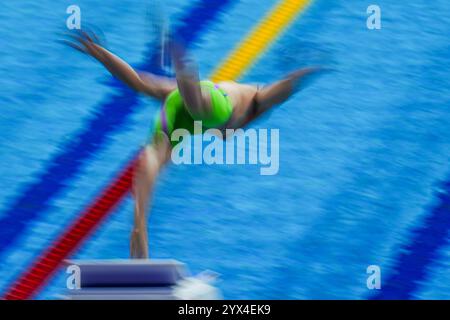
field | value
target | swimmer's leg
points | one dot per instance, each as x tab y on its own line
150	163
278	92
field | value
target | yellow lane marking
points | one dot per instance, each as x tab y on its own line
259	39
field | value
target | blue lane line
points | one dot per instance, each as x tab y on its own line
412	264
108	118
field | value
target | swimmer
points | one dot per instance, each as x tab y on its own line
185	99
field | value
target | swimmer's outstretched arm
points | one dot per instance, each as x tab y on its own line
155	86
277	93
197	102
147	83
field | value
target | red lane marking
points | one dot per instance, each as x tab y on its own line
45	265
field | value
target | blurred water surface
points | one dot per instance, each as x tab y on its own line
363	150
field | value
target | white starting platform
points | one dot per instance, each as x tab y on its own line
137	279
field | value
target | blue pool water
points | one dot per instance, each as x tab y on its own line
364	151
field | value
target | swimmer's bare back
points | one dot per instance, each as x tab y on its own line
242	98
250	101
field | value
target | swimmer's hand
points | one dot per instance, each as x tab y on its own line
302	77
86	42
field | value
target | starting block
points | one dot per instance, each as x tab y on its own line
138	279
